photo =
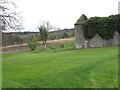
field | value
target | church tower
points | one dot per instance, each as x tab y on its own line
79	38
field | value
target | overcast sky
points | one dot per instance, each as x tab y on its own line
62	13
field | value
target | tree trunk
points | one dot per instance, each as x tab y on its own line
45	46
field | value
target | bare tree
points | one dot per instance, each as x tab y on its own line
48	26
43	35
44	30
9	18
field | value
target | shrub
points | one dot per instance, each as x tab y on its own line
32	44
61	45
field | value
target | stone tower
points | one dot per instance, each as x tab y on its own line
79	38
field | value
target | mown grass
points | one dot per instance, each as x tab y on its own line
62	68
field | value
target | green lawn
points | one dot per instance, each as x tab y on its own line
85	68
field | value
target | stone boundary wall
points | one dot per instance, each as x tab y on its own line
97	41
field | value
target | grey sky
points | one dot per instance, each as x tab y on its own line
119	7
62	13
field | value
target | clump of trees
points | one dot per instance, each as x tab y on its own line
8	39
16	39
61	34
104	26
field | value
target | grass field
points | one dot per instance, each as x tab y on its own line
67	68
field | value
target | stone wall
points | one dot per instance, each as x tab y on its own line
97	41
116	38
